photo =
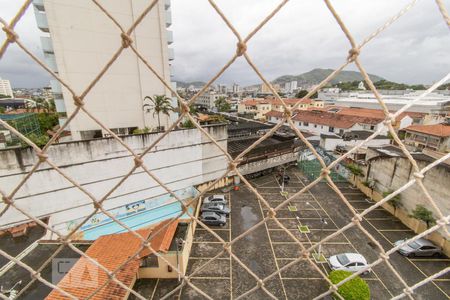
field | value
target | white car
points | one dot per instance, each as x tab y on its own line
352	262
215	199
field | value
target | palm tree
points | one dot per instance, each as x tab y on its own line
161	104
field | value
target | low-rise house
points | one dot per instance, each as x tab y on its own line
331	141
260	107
435	137
208	99
171	240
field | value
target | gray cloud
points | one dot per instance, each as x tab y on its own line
302	36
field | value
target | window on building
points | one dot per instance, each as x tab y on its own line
315	125
150	262
305	124
341	131
331	129
372	127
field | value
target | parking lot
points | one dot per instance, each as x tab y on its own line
268	248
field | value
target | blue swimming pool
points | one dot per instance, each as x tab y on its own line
137	220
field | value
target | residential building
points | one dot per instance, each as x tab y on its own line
332	141
236	88
208	99
290	87
394	100
260	106
79	40
435	137
5	88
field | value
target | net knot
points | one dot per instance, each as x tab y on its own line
325	172
126	40
138	162
333	288
227	246
7	200
241	47
384	256
390	120
408	291
287	113
11	36
418	175
232	166
97	205
42	156
356	219
260	283
353	54
185	109
78	101
271	213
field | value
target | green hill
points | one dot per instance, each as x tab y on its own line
317	75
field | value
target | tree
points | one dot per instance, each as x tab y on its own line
222	104
395	201
4	96
39	140
47	121
2	110
161	104
423	214
355	170
354	289
303	93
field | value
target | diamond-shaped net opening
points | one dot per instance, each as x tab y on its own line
278	215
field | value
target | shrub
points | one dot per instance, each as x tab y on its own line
188	124
355	170
354	289
423	214
395	201
140	131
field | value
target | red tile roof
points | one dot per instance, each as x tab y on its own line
440	130
291	101
367	112
112	251
321	117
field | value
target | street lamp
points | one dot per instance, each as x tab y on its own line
323	222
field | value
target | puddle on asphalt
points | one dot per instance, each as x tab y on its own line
249	218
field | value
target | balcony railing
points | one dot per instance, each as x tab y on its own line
39	5
168	18
169	37
47	44
171	54
41	20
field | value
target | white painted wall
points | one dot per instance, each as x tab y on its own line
182	159
84	40
330	144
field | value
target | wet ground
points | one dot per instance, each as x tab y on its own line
268	248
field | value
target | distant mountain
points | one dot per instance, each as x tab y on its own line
317	75
185	84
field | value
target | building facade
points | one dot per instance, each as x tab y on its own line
208	99
435	137
79	40
5	88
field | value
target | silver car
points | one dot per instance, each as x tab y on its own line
420	247
352	262
215	199
216	207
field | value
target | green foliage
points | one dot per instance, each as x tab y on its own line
161	105
350	85
423	214
222	104
4	96
188	124
47	121
444	87
389	85
395	201
354	289
39	140
355	170
141	130
2	110
303	93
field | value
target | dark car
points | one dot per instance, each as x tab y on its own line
216	207
212	218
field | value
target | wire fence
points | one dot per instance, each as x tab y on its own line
66	240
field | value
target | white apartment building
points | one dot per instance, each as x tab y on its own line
208	99
5	88
79	40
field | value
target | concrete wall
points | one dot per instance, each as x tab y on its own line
260	165
182	159
393	172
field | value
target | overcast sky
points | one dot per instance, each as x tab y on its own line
301	37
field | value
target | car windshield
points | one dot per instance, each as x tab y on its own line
343	260
414	245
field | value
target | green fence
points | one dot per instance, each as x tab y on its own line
311	166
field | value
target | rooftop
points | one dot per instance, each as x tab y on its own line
440	130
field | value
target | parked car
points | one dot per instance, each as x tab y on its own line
216	207
215	199
212	218
352	262
420	247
